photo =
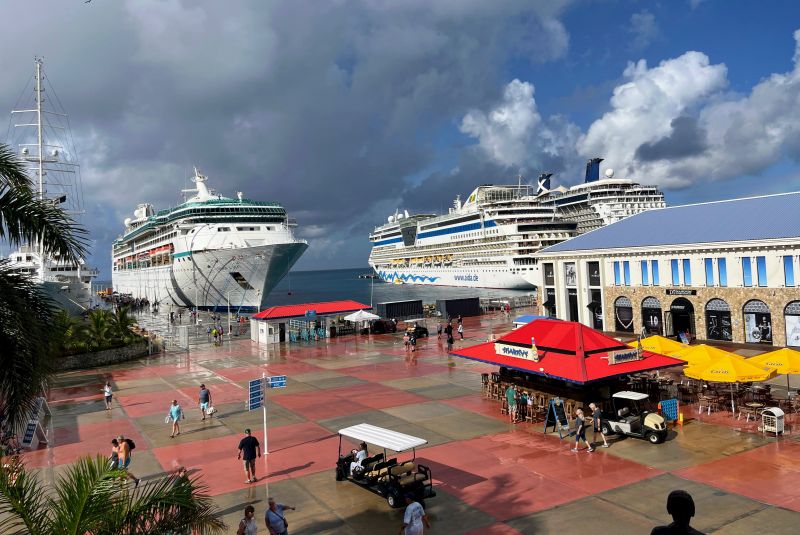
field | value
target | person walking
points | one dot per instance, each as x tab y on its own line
406	340
249	449
597	421
205	401
113	459
461	330
108	394
580	431
511	399
175	415
275	517
439	331
680	507
124	456
413	341
450	342
247	525
414	519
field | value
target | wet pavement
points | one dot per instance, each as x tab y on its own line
491	477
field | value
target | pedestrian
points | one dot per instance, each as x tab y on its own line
180	316
597	421
580	431
406	340
680	506
448	329
439	331
247	525
459	319
205	401
175	415
113	459
108	394
460	330
511	399
413	341
208	332
125	448
249	448
414	520
450	342
275	517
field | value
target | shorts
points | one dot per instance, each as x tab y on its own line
249	464
204	405
123	465
108	399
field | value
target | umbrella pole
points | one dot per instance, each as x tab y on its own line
733	407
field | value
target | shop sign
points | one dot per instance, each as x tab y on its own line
677	291
623	355
520	352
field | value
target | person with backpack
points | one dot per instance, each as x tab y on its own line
175	414
125	447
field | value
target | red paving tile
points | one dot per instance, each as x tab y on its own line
376	396
393	370
478	404
495	529
90	439
79	393
220	393
319	406
165	370
769	474
244	373
147	403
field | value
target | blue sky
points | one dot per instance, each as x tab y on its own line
347	111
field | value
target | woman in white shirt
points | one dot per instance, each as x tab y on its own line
107	392
359	457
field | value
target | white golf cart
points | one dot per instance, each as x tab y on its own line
383	475
630	418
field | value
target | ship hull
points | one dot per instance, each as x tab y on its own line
74	297
211	279
461	277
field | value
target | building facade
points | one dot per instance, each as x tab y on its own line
708	269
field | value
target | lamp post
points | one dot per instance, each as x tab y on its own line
229	314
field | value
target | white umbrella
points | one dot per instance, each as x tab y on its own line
361	315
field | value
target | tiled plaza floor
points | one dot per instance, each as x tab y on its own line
491	477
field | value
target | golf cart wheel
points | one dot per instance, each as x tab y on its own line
605	428
393	499
653	438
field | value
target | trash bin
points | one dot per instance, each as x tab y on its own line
772	420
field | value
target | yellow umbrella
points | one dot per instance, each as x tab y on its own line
783	361
702	354
659	344
730	368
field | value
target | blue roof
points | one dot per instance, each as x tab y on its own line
755	218
529	318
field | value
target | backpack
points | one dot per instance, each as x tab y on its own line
131	444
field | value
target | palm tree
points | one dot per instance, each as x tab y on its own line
25	313
90	497
98	331
121	323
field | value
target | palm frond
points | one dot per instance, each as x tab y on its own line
23	502
85	495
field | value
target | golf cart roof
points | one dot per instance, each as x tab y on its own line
383	438
635	396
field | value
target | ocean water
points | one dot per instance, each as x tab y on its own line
337	284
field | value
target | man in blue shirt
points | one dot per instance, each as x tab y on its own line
275	517
205	401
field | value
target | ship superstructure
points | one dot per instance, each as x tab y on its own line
490	240
40	134
209	252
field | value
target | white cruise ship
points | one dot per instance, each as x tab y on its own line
40	135
209	252
490	240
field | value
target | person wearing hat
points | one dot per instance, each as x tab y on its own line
249	448
680	506
414	520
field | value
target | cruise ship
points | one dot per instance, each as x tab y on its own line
40	135
489	240
209	252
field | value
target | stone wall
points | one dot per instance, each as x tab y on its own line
775	299
102	358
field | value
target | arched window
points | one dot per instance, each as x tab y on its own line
623	314
791	316
757	322
718	320
652	319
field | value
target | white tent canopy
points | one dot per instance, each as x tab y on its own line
361	315
383	438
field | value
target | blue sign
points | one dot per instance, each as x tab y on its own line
276	381
256	397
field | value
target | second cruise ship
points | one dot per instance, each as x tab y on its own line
489	240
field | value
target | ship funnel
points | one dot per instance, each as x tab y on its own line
544	183
593	170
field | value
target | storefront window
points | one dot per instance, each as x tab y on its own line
594	273
747	271
676	276
788	271
722	269
757	322
761	270
549	275
654	269
645	274
623	314
709	272
651	316
570	275
550	302
792	317
718	320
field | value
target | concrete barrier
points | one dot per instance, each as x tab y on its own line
102	358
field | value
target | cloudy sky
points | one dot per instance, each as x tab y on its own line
345	110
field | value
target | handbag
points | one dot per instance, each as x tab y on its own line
166	419
211	410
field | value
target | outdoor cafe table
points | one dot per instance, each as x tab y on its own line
751	408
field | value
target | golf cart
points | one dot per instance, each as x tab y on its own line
631	419
382	475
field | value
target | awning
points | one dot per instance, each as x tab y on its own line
383	438
361	315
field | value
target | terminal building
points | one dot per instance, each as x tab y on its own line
726	270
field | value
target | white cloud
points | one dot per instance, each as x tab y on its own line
644	29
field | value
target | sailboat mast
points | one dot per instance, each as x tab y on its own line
40	155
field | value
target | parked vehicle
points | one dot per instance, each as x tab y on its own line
417	330
381	474
630	417
382	326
